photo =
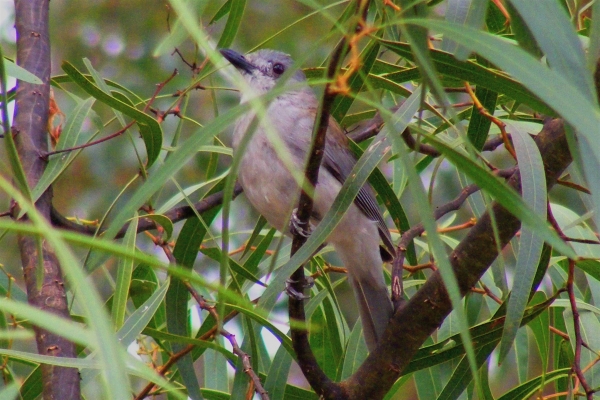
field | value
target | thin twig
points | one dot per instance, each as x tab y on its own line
95	142
573	185
417	230
247	365
146	224
469	224
177	356
416	268
577	331
561	234
159	87
496	121
491	294
559	333
203	304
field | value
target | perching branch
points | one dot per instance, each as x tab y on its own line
306	358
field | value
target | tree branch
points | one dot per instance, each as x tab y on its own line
306	358
418	318
146	224
30	130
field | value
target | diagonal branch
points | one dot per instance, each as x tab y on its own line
418	318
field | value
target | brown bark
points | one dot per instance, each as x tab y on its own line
30	133
414	322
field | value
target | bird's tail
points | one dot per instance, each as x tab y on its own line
356	241
374	307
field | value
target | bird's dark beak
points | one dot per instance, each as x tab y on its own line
237	60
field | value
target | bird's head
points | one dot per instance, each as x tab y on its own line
263	68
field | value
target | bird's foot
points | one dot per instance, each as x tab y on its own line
295	294
299	227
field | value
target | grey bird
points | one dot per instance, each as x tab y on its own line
274	192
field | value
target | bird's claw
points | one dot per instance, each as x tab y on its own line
293	293
299	227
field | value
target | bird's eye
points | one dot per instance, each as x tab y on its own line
278	68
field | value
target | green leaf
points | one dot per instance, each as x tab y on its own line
68	138
552	28
285	340
482	334
474	73
140	318
503	194
149	127
215	368
164	222
20	73
144	284
199	345
34	358
11	390
521	32
260	224
221	12
479	124
564	360
236	11
188	191
253	260
50	322
276	379
124	271
110	355
320	342
531	387
356	352
58	79
185	253
540	327
533	178
461	375
134	325
465	12
32	387
594	46
216	254
591	267
495	21
13	156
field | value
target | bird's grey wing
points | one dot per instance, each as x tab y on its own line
339	161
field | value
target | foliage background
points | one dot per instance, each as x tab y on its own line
119	38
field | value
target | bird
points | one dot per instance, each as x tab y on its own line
271	188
